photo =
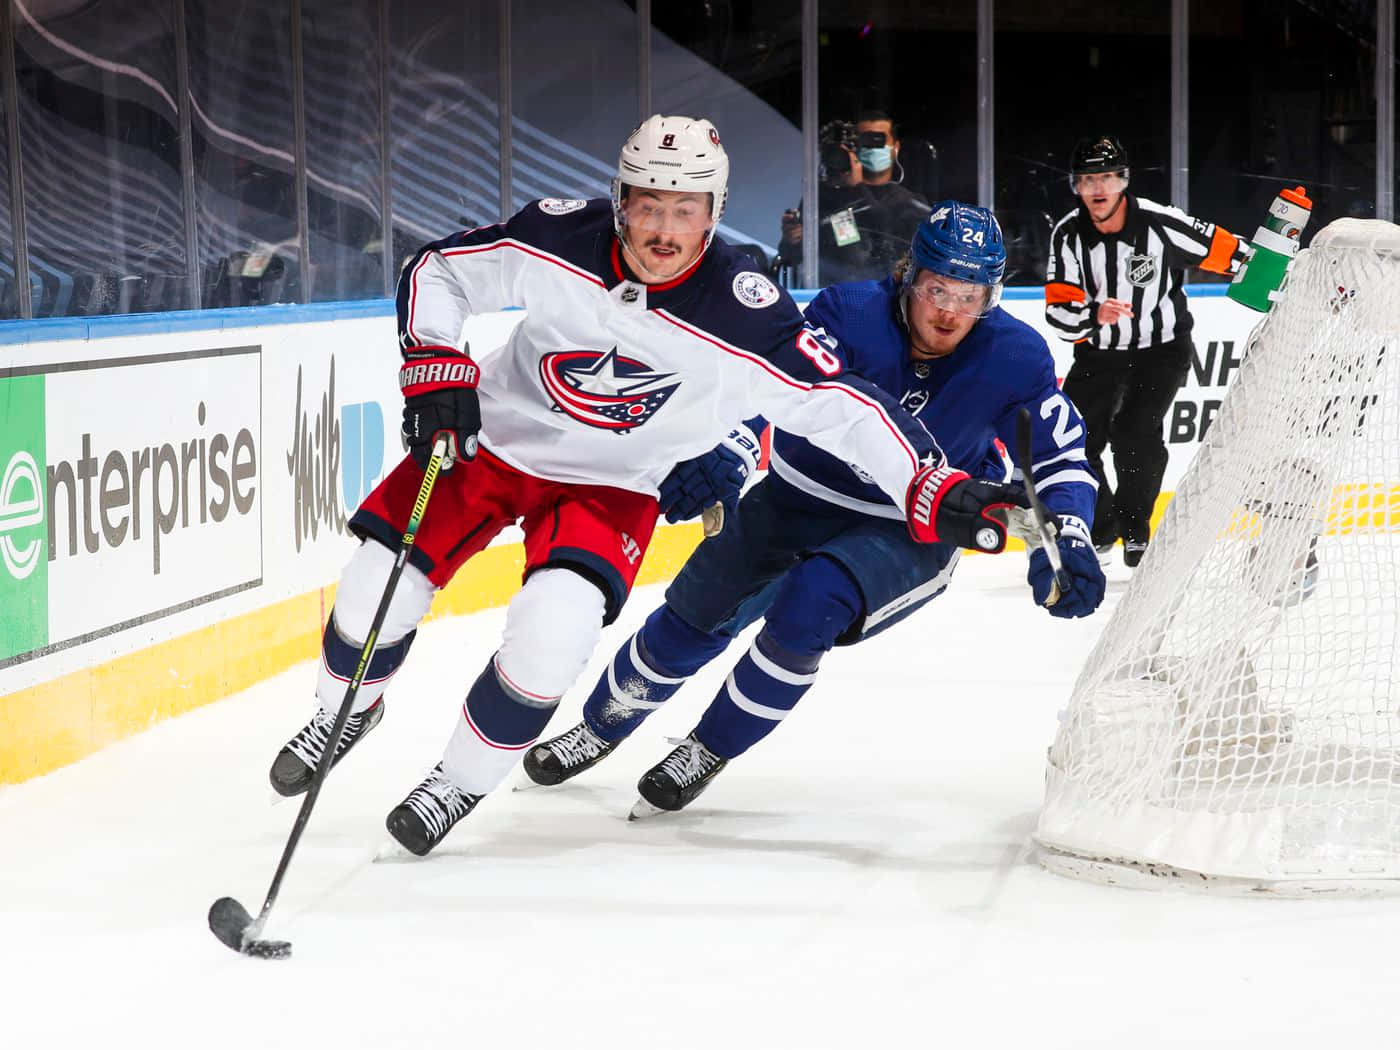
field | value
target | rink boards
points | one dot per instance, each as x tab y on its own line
176	487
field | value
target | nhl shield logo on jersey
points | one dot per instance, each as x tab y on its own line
754	290
560	206
605	389
1142	270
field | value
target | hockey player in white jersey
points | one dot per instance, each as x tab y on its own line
644	337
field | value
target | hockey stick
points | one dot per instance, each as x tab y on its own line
228	919
1060	585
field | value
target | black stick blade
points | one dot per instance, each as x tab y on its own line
230	922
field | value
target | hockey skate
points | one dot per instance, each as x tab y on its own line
1299	583
1133	550
1104	536
677	780
422	820
566	756
295	764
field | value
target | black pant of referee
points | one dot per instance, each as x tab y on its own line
1124	396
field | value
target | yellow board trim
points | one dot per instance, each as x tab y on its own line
54	723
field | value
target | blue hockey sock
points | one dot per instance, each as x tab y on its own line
646	672
339	659
498	723
815	604
503	716
758	694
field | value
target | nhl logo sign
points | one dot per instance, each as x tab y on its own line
1142	270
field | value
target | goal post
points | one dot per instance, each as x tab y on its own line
1238	721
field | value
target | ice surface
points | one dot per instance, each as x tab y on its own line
862	879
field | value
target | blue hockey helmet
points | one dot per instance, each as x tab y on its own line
963	242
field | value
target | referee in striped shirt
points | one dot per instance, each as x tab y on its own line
1114	289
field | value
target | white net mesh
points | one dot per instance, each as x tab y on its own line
1240	715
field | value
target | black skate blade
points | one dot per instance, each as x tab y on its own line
230	922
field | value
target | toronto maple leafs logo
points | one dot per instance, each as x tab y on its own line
605	389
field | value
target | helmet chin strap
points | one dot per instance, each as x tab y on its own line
914	339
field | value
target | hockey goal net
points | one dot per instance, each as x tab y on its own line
1239	720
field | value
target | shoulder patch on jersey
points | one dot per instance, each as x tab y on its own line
560	206
754	290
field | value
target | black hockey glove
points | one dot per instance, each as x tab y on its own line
439	397
945	505
1080	564
713	477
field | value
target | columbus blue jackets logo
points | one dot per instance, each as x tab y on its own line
754	290
560	206
605	389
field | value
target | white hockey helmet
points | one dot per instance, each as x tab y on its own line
674	153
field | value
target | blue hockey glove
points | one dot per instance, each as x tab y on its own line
714	477
1080	564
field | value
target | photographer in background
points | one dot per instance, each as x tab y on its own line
867	216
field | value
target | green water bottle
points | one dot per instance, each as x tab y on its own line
1275	244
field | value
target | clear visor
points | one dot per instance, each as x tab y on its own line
684	213
1104	182
960	297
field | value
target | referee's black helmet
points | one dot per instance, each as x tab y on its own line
1094	156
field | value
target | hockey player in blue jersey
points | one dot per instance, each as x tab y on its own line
816	549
